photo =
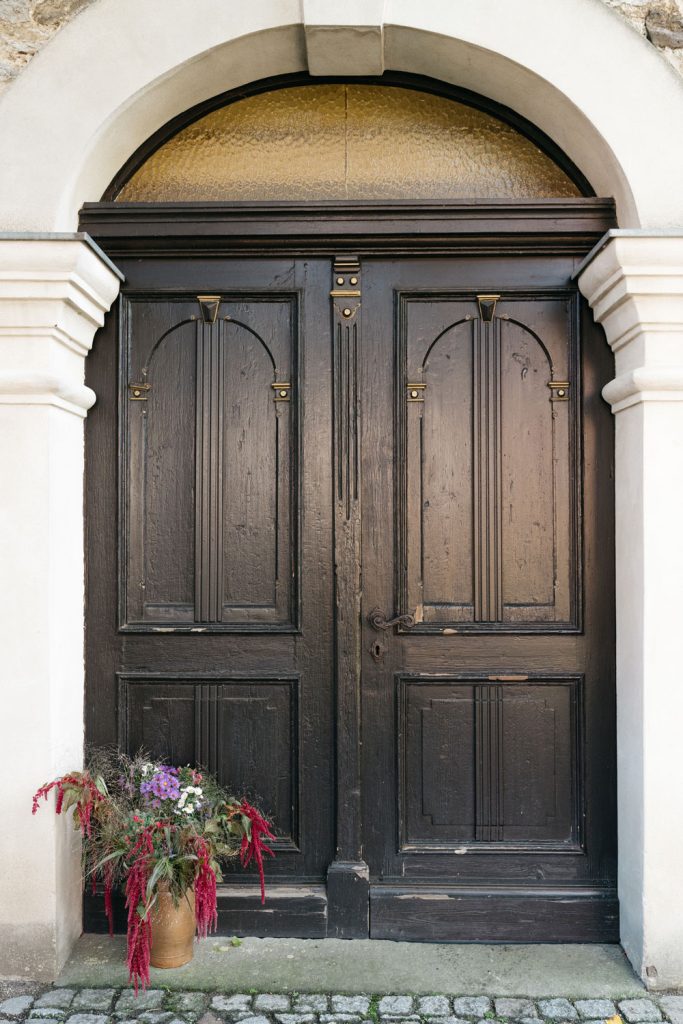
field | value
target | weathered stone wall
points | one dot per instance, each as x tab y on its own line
27	25
660	21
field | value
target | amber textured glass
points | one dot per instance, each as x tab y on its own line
320	142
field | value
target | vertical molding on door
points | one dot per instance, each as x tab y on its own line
348	875
489	784
209	481
487	473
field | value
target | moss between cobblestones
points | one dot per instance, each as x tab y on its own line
113	1005
372	1012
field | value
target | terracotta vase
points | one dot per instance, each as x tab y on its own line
173	929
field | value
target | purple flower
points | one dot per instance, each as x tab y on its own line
164	785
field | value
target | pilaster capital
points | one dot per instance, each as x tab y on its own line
344	39
633	281
54	292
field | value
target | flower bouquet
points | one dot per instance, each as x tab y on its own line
157	830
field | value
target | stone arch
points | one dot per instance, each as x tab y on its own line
107	82
120	80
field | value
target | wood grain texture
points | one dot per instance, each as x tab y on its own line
473	753
537	915
485	744
209	465
490	763
521	228
347	877
489	492
244	729
252	699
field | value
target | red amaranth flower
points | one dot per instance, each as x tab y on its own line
108	873
139	934
206	911
253	846
89	795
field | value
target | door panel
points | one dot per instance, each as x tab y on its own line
200	645
488	708
485	542
244	730
487	763
209	463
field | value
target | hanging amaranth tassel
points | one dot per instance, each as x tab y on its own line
253	846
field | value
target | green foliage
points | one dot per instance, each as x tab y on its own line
373	1009
134	805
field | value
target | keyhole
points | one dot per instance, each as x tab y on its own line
377	650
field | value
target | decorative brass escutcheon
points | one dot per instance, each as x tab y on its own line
416	392
138	392
559	390
209	304
487	307
282	390
345	292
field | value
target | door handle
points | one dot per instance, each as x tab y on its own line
378	620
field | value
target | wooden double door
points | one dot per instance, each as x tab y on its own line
349	537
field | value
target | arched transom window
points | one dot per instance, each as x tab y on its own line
357	142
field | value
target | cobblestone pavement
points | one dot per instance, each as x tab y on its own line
159	1006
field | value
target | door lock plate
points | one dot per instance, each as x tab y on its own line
377	651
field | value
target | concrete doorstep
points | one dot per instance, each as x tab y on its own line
270	981
370	966
308	981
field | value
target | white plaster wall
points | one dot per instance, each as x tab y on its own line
26	26
120	79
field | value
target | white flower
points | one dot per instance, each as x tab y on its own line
189	809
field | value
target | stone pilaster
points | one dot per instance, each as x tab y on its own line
54	293
634	284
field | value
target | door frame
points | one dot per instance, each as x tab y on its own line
566	229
